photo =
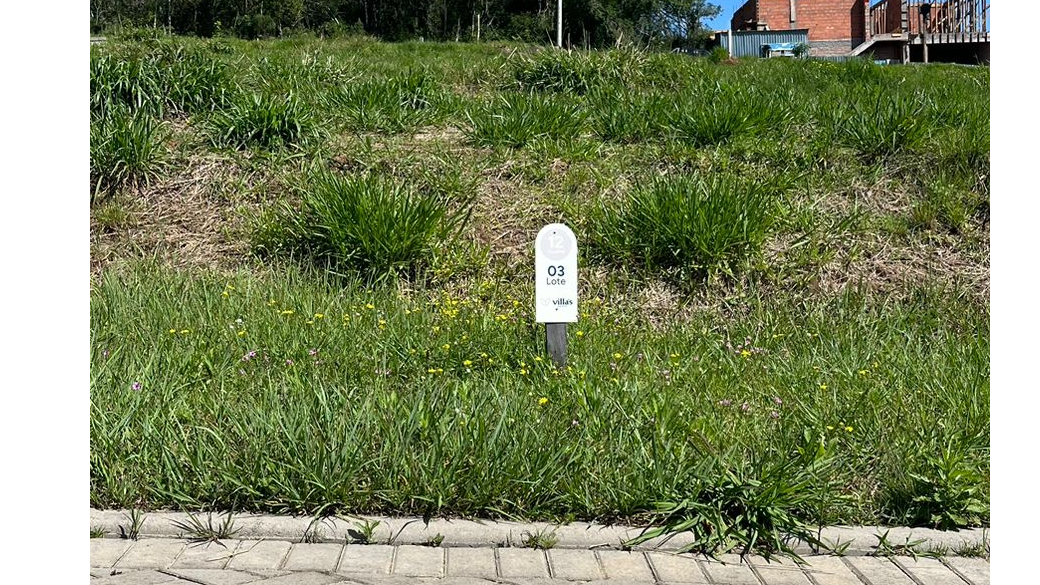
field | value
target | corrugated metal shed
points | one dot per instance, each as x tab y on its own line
748	43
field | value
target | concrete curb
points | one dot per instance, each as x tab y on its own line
855	540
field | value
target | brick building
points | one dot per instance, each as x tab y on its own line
836	27
910	30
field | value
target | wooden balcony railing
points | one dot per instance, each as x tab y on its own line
945	17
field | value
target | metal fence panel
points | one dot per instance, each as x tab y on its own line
748	43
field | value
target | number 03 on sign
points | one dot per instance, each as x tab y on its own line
556	275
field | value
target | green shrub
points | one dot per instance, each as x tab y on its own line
689	222
255	26
718	55
126	149
260	120
335	29
517	119
141	34
367	222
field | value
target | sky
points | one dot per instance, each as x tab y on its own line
721	22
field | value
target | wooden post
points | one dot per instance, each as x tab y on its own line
556	343
478	27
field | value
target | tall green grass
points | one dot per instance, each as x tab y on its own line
516	119
292	392
126	149
628	116
714	113
878	120
701	223
262	121
167	79
392	105
368	222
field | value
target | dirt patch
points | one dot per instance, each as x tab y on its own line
184	220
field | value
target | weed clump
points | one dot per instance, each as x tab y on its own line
391	105
126	149
517	119
257	120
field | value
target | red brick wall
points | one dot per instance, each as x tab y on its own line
827	20
745	15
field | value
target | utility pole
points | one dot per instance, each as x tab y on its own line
559	23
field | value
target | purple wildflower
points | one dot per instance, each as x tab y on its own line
725	402
774	414
777	400
745	407
289	362
136	386
312	352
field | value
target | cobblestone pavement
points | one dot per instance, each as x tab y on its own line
165	561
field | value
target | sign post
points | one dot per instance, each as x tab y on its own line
556	287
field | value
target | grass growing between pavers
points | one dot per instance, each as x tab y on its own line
815	354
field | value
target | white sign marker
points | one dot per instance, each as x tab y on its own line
556	275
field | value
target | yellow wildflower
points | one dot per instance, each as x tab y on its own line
580	333
370	306
745	353
446	346
173	331
823	386
467	363
319	315
543	401
288	312
848	429
617	356
241	333
185	331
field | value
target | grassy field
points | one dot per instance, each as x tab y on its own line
312	292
